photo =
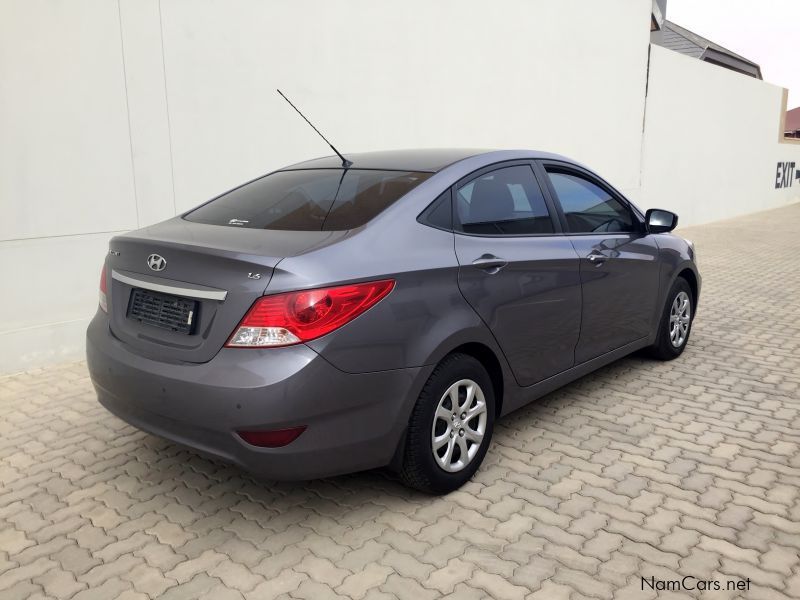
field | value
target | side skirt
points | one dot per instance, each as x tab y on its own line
525	395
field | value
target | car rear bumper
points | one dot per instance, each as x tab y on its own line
354	421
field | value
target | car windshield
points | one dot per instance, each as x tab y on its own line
309	199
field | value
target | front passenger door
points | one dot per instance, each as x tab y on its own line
619	265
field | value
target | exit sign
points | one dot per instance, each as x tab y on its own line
786	174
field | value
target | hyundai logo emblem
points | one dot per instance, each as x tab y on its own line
156	262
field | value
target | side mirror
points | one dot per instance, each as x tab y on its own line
660	221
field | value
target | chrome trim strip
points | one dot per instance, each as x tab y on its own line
149	284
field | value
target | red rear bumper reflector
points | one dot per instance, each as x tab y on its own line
272	439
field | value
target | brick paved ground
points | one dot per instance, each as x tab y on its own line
642	469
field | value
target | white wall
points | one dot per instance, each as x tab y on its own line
710	148
66	182
119	113
403	74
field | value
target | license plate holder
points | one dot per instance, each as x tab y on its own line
164	311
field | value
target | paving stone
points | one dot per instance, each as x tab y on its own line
552	591
680	541
221	592
23	573
759	537
588	525
234	575
286	581
358	584
185	571
406	588
602	545
159	555
650	554
583	583
403	564
76	560
619	569
533	574
726	549
169	533
111	588
90	537
761	577
192	589
498	587
700	563
22	590
149	580
448	577
571	558
97	575
57	582
782	559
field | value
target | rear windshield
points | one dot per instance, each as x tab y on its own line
309	200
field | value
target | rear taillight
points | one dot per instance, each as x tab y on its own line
294	317
103	290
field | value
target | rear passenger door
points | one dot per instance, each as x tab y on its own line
517	270
619	265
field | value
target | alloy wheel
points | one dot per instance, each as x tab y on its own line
459	425
680	317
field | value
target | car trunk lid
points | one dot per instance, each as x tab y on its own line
178	289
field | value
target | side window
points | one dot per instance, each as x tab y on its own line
440	213
507	201
589	208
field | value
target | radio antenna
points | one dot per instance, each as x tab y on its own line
345	163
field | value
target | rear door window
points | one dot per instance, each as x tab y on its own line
309	200
507	201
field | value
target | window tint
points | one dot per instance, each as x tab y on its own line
507	201
309	200
440	213
588	207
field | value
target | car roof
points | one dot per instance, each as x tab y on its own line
424	159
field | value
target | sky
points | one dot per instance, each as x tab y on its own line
765	31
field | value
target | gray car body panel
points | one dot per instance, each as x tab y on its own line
356	424
355	388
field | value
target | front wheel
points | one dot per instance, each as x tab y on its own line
676	322
450	427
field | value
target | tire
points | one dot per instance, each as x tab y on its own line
664	348
421	469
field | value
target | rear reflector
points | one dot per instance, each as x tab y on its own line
103	290
294	317
272	439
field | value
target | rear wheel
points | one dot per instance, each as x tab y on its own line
676	322
450	427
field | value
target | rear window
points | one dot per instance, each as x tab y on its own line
309	200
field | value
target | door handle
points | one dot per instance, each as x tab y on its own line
596	258
489	263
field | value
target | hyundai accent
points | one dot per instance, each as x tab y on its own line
333	317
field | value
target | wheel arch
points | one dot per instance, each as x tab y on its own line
487	357
691	278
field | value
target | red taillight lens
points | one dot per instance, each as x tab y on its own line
294	317
103	290
272	439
